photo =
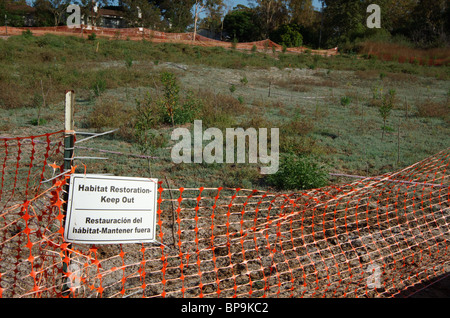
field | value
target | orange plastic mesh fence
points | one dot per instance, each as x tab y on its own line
372	238
161	37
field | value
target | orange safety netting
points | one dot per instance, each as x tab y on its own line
160	37
372	238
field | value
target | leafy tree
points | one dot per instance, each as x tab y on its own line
302	12
14	11
177	13
288	35
430	22
272	14
242	24
58	9
203	6
43	15
344	21
214	16
141	13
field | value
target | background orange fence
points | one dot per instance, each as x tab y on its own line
137	34
377	237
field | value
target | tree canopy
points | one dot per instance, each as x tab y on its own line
425	23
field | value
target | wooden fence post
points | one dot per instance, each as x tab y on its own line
69	142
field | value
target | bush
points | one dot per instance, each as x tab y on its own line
288	34
298	173
27	34
92	36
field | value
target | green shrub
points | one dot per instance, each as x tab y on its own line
234	43
288	34
189	109
128	61
38	122
92	36
298	173
99	86
171	108
345	100
27	34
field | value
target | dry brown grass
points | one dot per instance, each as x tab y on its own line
403	53
110	112
429	108
303	84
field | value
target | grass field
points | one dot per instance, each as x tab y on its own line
327	109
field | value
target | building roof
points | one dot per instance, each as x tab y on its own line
19	7
110	12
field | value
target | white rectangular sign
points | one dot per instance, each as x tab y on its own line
110	209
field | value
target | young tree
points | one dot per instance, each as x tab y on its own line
386	107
